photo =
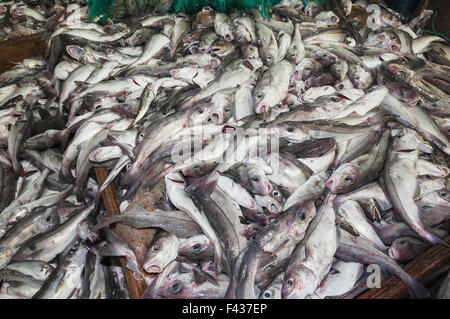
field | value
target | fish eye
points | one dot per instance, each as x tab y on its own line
302	215
348	179
289	282
200	110
155	248
402	242
290	128
254	179
48	219
427	176
278	106
275	193
227	110
197	248
176	287
269	58
259	96
267	294
444	194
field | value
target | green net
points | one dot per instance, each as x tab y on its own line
194	6
101	8
104	8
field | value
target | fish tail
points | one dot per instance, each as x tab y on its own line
18	168
65	174
415	288
436	240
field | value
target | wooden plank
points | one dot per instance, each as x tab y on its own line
16	50
136	287
423	268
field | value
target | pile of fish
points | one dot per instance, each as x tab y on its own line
315	145
26	17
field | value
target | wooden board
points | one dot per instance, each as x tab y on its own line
16	50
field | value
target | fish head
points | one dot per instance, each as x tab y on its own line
204	18
296	283
256	181
344	178
339	70
198	169
278	109
84	230
306	68
176	286
273	291
402	92
251	230
296	87
265	97
250	52
268	55
75	52
257	215
360	78
292	54
185	73
406	248
221	111
328	16
394	46
222	48
200	113
161	253
196	247
290	131
389	19
346	7
242	35
325	57
343	85
313	8
404	141
303	214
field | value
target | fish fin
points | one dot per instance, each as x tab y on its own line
344	224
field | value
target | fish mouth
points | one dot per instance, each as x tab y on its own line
215	118
329	184
229	37
153	269
273	208
214	63
392	253
228	129
260	109
248	65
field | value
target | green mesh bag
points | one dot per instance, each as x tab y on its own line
116	9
